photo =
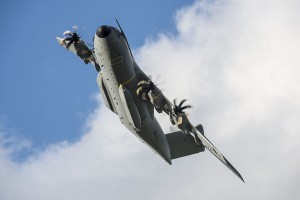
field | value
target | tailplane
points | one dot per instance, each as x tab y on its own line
184	144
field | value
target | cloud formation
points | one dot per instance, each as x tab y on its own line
237	63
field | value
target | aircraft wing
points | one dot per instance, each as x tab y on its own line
208	145
63	43
158	99
81	50
161	103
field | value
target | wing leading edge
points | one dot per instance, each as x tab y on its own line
188	147
208	145
184	145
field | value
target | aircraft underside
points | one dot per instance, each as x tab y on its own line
131	95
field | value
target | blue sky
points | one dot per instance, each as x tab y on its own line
47	92
237	63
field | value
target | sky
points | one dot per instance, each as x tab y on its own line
236	62
46	85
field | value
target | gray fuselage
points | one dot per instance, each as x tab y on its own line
118	80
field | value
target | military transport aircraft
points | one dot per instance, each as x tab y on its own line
129	93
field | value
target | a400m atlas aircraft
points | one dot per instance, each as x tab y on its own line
129	93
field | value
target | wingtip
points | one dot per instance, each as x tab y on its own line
59	40
239	175
229	165
242	179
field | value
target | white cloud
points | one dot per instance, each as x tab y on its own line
237	63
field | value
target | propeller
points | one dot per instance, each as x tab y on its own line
178	109
73	36
145	87
85	35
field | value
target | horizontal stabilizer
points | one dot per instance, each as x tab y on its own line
182	144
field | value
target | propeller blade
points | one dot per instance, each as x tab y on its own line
67	32
145	86
68	45
141	83
182	102
185	107
139	90
75	28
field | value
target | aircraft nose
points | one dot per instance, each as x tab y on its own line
103	31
